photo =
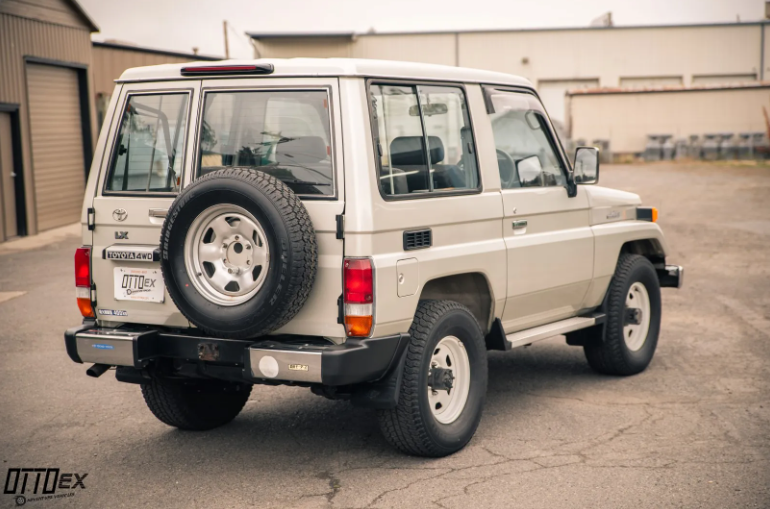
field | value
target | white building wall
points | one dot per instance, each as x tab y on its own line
561	59
428	48
627	118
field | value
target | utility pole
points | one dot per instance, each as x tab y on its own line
227	46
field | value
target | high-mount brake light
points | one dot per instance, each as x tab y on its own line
83	281
358	296
218	70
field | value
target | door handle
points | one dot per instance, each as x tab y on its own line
521	223
161	213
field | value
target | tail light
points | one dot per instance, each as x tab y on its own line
358	296
83	281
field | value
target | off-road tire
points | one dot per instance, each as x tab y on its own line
410	426
194	405
610	355
293	253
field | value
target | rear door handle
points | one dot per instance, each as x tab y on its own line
161	213
521	223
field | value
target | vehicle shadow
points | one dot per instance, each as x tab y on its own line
282	428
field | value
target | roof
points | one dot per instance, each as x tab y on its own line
141	49
344	67
279	35
668	88
93	26
301	35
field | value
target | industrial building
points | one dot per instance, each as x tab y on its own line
603	61
614	85
54	86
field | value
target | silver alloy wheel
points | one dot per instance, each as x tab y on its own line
447	405
226	254
635	334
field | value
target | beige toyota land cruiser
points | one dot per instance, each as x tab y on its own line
366	229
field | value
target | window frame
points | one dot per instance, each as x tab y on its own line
376	135
553	138
195	168
113	149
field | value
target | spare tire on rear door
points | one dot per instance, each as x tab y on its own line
238	253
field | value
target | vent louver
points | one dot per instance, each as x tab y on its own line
418	239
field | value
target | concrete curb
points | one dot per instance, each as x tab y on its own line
40	240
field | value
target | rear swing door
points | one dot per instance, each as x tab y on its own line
147	161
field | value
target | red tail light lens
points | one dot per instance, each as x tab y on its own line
83	267
358	281
83	281
358	297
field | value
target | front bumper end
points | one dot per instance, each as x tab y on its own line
671	276
263	360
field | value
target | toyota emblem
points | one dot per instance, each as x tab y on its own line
119	214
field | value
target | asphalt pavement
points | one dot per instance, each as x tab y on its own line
693	430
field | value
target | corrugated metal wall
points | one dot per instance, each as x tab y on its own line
627	118
109	63
20	38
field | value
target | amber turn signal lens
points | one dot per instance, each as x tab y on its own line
85	307
358	326
654	215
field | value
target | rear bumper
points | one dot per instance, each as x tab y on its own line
672	276
356	361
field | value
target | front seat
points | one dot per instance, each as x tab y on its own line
408	154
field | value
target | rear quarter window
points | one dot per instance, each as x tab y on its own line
148	153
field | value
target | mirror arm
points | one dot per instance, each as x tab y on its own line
572	188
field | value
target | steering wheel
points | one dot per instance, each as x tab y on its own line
507	170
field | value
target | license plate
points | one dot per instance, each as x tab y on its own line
144	285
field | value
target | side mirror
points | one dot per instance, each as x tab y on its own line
530	171
586	165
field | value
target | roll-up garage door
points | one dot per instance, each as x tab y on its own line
57	144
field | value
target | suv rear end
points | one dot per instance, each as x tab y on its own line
137	177
160	137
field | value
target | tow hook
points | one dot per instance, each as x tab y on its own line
440	379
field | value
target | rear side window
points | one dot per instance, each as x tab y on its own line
149	148
286	134
423	139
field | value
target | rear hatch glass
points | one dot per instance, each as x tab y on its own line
286	134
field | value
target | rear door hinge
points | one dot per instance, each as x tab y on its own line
340	226
91	213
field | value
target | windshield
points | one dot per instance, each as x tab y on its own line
286	134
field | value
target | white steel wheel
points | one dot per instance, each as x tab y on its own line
637	322
450	357
227	255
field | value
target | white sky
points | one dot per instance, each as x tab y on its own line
182	24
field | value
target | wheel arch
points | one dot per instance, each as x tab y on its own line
650	248
471	289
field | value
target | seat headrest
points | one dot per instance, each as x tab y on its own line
410	150
301	150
